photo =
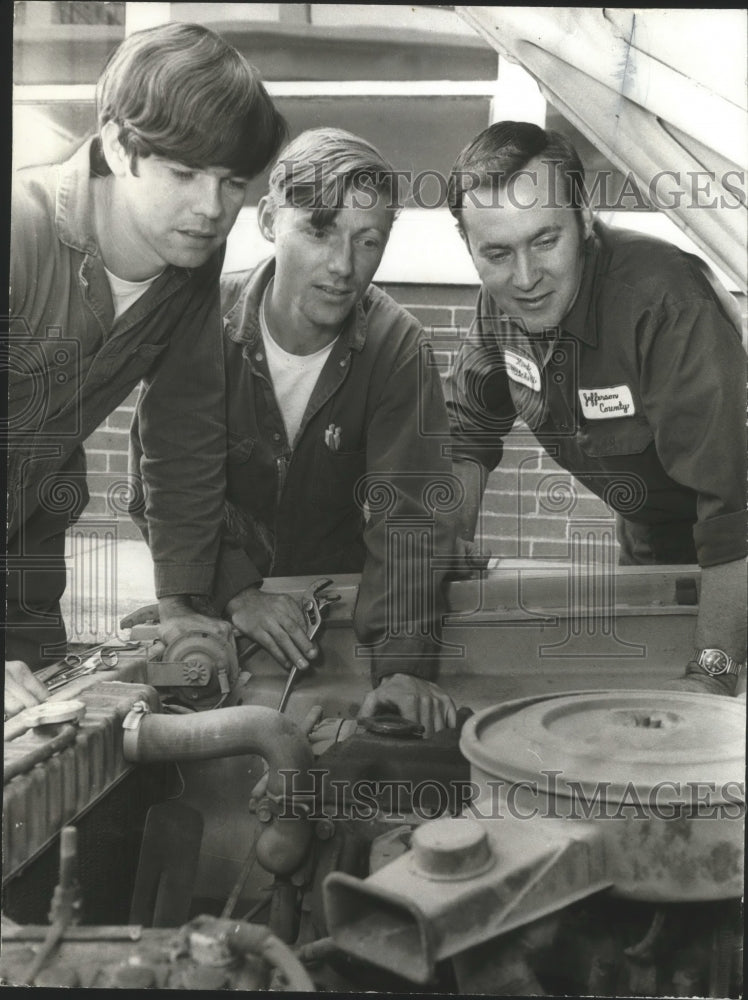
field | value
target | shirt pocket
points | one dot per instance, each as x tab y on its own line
619	436
239	450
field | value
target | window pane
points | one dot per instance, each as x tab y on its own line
415	133
64	42
348	41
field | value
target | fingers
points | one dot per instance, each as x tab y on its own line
22	689
277	623
416	699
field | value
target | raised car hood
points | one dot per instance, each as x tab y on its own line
653	90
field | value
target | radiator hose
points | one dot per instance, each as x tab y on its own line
228	732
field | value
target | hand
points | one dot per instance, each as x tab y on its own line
276	622
469	559
178	617
416	699
22	689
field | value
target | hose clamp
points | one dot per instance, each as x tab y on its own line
131	726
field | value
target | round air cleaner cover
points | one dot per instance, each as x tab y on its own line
612	739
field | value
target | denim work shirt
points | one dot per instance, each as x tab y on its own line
71	364
298	509
640	395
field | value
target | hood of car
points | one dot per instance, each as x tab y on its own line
654	90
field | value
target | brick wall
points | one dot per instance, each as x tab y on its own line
528	500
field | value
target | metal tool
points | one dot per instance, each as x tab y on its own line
312	603
102	657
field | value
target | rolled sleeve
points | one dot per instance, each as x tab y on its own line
235	571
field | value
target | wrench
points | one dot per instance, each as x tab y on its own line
312	603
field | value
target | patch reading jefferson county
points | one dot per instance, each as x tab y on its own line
523	370
604	404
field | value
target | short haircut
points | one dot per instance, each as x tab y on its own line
502	150
180	91
318	168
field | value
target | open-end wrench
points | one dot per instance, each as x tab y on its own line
313	601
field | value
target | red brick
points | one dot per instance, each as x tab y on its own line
96	461
432	295
106	439
431	316
121	418
132	399
117	461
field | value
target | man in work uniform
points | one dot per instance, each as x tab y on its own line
115	263
622	355
332	404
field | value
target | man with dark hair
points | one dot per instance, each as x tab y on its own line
333	404
115	262
623	356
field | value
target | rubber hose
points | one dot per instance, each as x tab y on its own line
229	732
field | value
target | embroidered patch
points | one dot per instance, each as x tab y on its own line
604	404
523	370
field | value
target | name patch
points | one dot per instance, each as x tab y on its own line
523	370
604	404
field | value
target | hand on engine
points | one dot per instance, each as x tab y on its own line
22	689
414	698
178	617
276	622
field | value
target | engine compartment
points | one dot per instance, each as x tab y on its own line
379	860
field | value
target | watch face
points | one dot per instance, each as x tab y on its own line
714	661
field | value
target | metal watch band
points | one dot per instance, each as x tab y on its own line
716	662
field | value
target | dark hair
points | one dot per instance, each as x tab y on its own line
504	149
182	92
318	168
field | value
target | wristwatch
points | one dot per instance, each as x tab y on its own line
716	662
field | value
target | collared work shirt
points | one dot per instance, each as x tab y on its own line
299	510
640	395
71	364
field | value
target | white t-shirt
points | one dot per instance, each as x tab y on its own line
294	376
125	293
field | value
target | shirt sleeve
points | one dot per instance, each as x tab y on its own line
693	385
479	403
408	537
182	436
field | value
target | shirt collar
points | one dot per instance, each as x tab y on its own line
74	204
580	320
242	321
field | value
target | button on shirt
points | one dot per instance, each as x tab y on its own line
640	394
